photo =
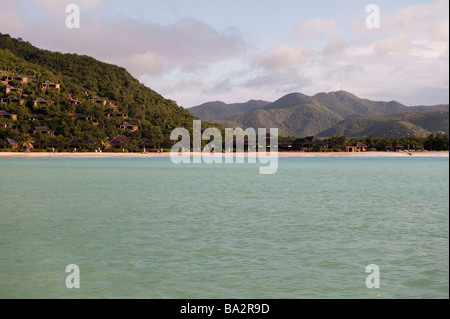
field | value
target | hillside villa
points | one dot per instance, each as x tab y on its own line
42	102
50	85
128	126
117	113
73	101
6	115
10	89
12	99
98	100
15	77
42	130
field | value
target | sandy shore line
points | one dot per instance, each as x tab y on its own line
167	154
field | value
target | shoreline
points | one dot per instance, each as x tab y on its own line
167	154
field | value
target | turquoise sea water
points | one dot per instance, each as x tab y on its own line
147	228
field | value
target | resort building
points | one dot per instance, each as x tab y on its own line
308	143
358	147
396	148
73	143
82	117
52	144
38	117
42	102
15	77
12	99
10	89
117	113
119	142
98	100
147	144
50	85
6	115
11	143
72	101
5	125
42	130
129	127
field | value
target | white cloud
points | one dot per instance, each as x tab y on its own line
440	30
400	44
145	63
316	28
283	56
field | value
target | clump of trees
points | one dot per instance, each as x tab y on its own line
433	142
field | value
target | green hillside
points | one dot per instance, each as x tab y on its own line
348	105
82	78
219	111
300	115
419	124
305	119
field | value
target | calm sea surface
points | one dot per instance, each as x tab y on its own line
148	228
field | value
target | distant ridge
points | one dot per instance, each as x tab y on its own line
326	114
219	111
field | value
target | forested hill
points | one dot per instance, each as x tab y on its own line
83	78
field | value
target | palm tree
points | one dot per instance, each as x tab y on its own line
103	143
27	144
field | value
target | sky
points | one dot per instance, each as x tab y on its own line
195	51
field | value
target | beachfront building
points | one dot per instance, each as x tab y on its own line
74	144
10	143
128	126
52	144
396	148
147	144
6	115
358	147
308	143
119	142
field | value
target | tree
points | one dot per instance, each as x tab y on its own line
27	144
337	141
103	144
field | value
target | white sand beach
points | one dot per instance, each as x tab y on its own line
167	154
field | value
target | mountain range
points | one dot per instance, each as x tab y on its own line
327	114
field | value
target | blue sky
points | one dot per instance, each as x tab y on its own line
194	51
